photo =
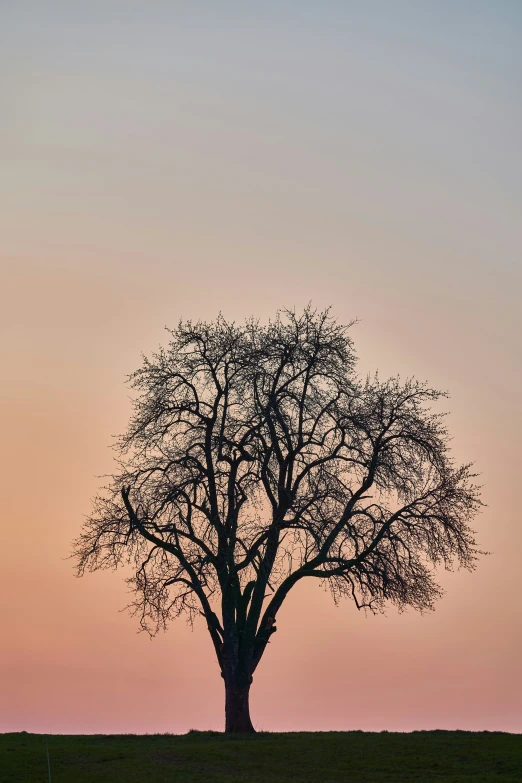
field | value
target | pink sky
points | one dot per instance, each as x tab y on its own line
366	164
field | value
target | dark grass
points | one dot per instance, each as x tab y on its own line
208	757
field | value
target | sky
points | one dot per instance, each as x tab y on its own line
167	160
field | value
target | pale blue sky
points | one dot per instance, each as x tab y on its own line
392	119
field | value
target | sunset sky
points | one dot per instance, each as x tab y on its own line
176	159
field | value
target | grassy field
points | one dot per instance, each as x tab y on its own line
207	757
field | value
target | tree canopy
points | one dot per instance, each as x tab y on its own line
256	457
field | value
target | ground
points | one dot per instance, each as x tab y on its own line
208	757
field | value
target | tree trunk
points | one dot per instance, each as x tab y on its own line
237	708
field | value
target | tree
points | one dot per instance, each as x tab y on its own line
255	457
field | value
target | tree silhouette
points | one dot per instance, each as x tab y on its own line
255	457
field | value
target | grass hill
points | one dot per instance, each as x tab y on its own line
209	757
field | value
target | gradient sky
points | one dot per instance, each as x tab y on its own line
173	159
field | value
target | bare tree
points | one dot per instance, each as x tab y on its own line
256	457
